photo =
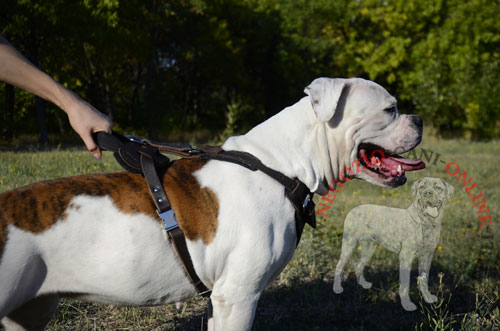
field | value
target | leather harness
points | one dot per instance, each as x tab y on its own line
145	156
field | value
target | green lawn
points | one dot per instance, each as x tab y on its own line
465	272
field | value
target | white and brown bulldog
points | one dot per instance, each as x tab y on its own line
99	238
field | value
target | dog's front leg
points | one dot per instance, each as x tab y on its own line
210	316
405	258
424	266
233	312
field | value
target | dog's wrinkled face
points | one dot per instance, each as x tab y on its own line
362	125
431	195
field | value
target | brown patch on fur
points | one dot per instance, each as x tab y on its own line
36	207
196	209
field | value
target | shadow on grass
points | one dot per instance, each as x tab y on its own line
313	305
300	305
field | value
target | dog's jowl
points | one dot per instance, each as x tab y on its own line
99	238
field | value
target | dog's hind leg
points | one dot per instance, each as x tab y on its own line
22	272
33	315
367	249
348	245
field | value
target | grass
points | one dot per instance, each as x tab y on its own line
465	271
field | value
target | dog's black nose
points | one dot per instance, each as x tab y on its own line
417	122
428	193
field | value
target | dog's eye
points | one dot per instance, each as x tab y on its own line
390	110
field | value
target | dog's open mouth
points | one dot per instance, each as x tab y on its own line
432	208
390	168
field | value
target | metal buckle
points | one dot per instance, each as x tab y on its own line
204	293
194	151
306	201
169	221
135	139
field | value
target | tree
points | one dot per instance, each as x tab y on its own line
223	66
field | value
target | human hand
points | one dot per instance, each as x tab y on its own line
85	120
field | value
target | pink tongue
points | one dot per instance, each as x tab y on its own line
392	163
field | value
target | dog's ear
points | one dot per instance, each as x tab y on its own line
449	189
414	186
325	94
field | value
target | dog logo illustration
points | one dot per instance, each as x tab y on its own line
412	232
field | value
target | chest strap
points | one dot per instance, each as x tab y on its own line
166	213
296	191
144	156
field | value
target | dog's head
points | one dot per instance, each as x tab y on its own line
362	125
431	195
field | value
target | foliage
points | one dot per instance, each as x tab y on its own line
159	65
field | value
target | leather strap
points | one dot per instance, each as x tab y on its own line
109	141
185	151
178	240
251	162
296	191
176	236
304	207
154	183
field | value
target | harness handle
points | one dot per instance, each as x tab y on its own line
141	156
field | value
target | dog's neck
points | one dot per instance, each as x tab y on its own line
292	142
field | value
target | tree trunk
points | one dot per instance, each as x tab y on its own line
39	103
8	126
149	79
269	76
150	73
40	115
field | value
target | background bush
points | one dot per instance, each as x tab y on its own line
162	66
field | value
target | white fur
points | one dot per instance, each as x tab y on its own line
107	255
115	257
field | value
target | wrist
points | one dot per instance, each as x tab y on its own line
64	98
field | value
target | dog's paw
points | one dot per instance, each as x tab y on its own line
337	288
408	305
430	298
366	285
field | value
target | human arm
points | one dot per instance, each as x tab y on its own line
15	69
